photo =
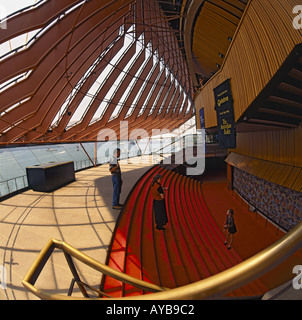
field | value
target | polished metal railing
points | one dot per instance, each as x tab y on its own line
213	287
70	254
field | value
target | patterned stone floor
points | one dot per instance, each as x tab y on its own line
79	214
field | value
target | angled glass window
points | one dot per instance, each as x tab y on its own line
15	7
139	49
70	99
148	55
155	84
24	41
14	106
11	82
143	87
179	99
174	94
189	107
183	103
167	94
129	40
166	70
17	43
91	95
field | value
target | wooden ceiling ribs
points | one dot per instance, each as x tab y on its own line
160	123
208	31
153	121
115	124
133	118
71	44
58	71
100	96
165	88
35	18
141	100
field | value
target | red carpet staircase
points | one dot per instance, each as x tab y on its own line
190	249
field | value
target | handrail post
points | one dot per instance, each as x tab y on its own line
39	264
71	287
75	274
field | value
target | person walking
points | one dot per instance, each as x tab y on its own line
231	227
116	175
159	204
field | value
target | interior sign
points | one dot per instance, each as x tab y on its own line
225	115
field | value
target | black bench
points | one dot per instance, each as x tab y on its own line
50	176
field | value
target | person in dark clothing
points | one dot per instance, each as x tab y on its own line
116	174
159	204
231	227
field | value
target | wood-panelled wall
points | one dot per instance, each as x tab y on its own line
281	146
263	40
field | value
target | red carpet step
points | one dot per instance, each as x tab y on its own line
190	249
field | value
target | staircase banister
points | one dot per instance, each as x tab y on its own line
212	287
34	272
233	278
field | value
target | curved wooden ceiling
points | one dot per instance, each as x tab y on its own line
214	28
91	65
215	22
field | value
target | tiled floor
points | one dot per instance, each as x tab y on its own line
79	214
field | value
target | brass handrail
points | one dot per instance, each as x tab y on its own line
212	287
69	251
